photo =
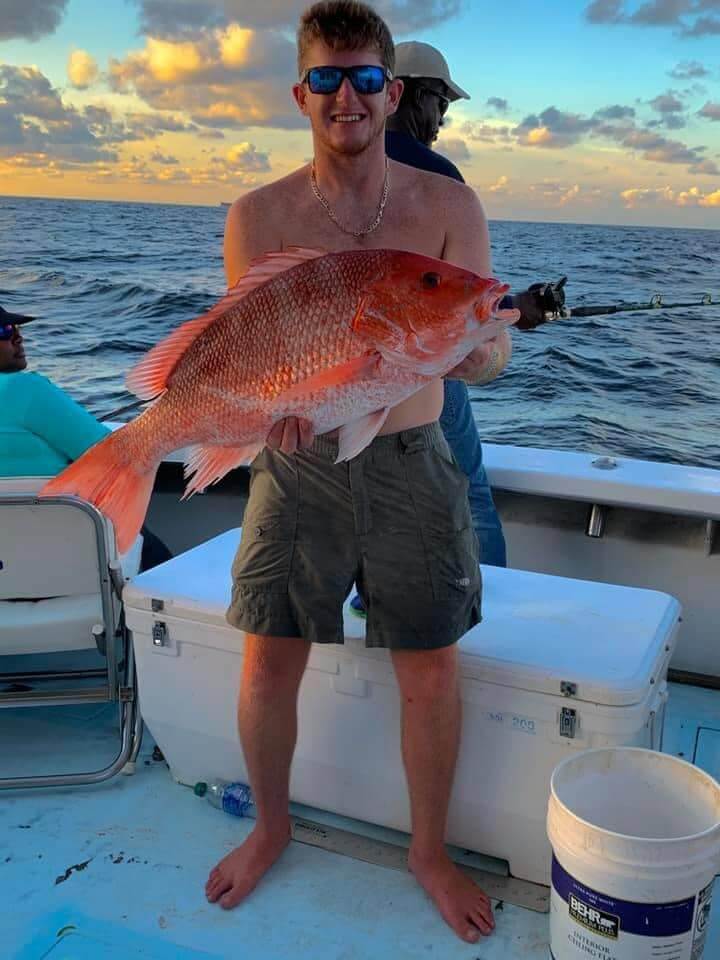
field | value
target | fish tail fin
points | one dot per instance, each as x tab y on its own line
109	478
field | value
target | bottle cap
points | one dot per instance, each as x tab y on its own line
200	789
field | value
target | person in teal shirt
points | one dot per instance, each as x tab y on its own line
42	429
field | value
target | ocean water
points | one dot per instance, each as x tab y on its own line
108	280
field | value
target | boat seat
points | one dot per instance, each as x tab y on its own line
47	606
61	583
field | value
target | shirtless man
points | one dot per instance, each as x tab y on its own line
312	527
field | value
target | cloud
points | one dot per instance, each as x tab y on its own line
666	103
158	157
498	103
689	70
500	186
135	170
692	197
37	129
711	111
703	27
485	132
30	19
656	147
176	18
244	156
34	121
670	109
556	129
557	194
82	69
553	128
636	196
687	16
615	112
455	149
237	168
230	77
705	166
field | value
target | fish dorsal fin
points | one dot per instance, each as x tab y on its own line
150	376
268	265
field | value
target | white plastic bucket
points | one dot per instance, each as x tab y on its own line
636	846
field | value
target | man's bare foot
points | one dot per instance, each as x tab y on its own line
460	901
239	872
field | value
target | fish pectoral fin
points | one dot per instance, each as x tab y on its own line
375	327
365	367
209	464
353	437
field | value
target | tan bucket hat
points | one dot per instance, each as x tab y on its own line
416	59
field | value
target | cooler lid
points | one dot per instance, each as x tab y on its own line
192	586
540	633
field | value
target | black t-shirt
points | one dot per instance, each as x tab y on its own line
406	149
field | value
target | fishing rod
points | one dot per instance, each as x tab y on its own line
656	303
551	299
116	413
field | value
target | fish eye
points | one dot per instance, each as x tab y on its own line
431	280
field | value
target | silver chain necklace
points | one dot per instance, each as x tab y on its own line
331	213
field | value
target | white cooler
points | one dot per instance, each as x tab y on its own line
556	666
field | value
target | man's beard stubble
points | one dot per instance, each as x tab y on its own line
359	148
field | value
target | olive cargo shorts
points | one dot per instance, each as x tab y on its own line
395	520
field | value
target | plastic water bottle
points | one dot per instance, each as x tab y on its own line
230	796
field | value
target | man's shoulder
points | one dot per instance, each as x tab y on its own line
26	382
425	183
268	197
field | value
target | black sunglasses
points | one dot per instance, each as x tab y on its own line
444	102
365	79
7	331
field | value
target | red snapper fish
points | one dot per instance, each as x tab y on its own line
335	338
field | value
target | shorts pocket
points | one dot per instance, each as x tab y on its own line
439	490
264	556
454	566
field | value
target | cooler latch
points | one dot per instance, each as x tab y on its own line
568	723
159	634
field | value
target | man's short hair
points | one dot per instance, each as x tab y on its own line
345	25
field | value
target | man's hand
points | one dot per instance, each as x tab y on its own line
291	434
485	362
538	300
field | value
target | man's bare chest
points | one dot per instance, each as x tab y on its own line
400	229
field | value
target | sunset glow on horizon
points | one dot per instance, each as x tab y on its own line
598	112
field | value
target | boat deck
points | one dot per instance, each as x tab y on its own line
121	866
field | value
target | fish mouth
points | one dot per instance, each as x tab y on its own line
493	297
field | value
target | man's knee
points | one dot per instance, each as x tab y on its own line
426	674
274	662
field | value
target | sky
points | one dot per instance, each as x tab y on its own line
593	111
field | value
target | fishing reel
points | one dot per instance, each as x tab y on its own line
551	297
547	302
